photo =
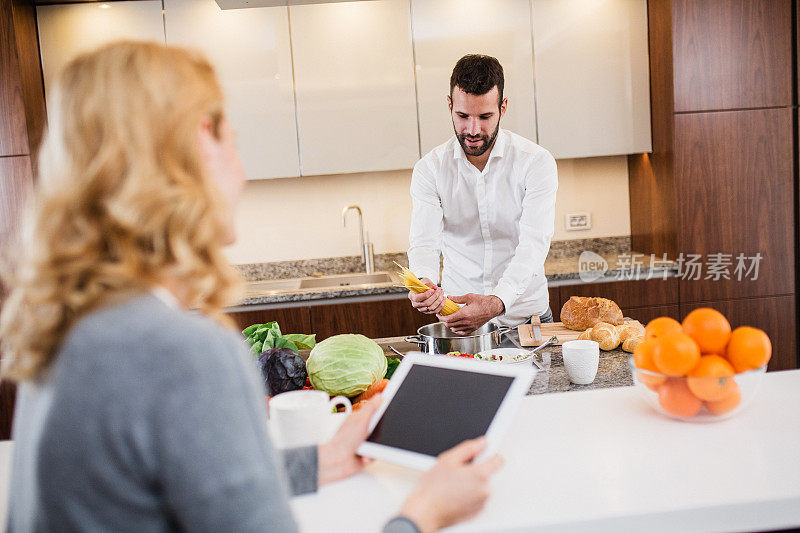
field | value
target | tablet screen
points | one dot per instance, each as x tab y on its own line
436	408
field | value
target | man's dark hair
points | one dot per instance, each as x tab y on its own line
477	74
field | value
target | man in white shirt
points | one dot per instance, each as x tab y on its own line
484	201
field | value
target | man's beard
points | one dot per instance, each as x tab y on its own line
479	149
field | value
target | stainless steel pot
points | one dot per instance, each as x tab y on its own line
437	339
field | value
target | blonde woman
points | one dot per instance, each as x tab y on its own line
135	414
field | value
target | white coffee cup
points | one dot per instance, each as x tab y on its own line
301	417
581	359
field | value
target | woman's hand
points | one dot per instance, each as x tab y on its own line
454	490
337	457
428	302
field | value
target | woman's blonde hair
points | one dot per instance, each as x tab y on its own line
123	202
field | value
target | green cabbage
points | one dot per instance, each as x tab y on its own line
345	364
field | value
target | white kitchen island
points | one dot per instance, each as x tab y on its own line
603	460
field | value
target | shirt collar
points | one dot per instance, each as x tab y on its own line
498	150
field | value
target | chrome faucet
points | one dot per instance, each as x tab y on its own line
367	250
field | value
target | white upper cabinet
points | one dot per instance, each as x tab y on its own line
250	51
446	30
354	83
70	29
592	79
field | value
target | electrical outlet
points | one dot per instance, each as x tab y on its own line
579	221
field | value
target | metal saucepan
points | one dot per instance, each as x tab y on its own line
437	339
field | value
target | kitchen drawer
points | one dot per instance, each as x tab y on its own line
627	294
383	318
290	319
646	314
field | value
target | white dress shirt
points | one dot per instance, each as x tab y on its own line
493	228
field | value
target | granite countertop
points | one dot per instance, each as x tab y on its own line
563	270
612	372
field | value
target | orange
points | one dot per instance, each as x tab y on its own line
712	378
661	326
643	358
675	398
675	354
748	348
709	328
728	404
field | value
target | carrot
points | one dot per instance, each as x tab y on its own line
372	390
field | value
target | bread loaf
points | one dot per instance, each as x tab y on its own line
581	312
630	330
630	344
605	335
585	335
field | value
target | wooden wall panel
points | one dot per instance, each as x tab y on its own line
13	130
735	180
15	186
732	54
30	68
776	315
650	185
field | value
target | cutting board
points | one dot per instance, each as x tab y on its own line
549	329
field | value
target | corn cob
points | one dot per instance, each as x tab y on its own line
412	283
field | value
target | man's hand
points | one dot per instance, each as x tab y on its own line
337	457
428	302
479	310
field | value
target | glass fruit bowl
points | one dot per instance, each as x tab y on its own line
697	399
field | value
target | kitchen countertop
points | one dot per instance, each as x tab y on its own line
613	370
559	271
602	460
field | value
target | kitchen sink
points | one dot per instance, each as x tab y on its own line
259	288
273	285
345	280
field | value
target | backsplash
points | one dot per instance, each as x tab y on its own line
352	263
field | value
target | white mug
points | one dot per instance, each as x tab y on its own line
581	359
300	417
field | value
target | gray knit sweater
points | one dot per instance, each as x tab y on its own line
152	419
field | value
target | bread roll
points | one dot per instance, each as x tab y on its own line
605	335
581	312
630	344
585	335
630	330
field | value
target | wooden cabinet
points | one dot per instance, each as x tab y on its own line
382	318
630	294
732	54
646	314
69	29
555	302
735	185
499	28
354	83
375	319
592	81
250	51
776	315
290	319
